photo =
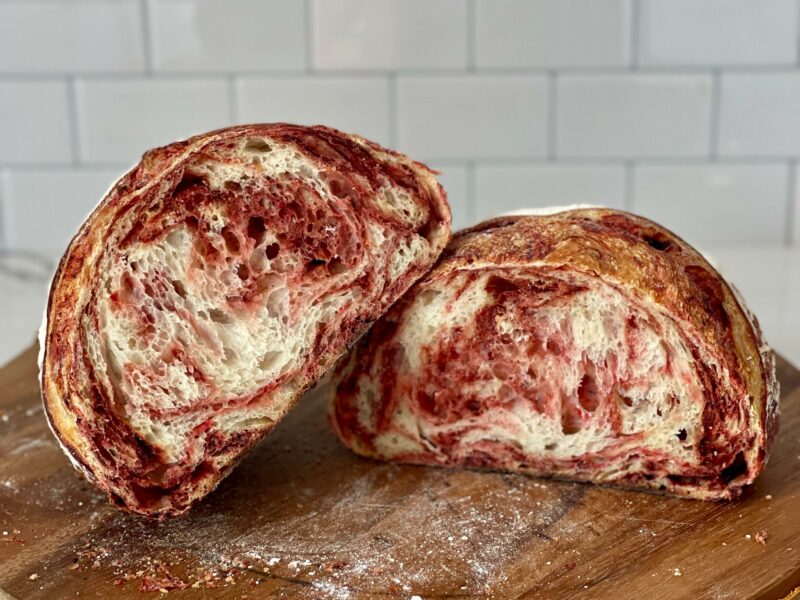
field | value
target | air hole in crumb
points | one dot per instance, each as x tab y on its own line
624	400
336	266
658	241
219	316
179	288
272	250
735	469
426	297
243	272
268	361
230	355
256	229
231	241
188	181
588	393
257	145
233	186
427	230
682	435
553	346
570	420
551	446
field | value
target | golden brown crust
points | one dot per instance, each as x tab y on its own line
71	390
649	263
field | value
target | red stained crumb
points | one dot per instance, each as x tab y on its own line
164	583
570	565
761	537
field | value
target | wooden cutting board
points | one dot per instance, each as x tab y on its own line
303	518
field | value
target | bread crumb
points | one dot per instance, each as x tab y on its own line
768	496
677	572
33	577
748	536
761	537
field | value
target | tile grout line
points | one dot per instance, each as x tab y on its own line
791	208
552	116
630	180
415	72
74	130
147	38
716	107
634	33
472	14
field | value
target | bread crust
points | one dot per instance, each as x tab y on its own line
646	261
68	378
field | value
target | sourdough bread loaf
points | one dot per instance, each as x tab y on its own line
586	344
213	285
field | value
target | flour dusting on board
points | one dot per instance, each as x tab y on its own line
304	517
355	542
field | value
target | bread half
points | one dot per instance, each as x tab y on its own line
213	285
588	345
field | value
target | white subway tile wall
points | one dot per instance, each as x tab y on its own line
389	34
633	115
358	104
229	35
472	116
456	181
553	33
687	111
118	120
34	122
718	32
500	189
47	207
692	200
760	115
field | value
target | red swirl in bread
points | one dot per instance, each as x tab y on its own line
589	345
214	284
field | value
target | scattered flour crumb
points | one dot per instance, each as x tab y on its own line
677	572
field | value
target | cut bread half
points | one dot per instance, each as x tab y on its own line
587	344
214	284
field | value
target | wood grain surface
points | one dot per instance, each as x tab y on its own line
303	518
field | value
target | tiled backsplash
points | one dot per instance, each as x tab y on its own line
684	110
